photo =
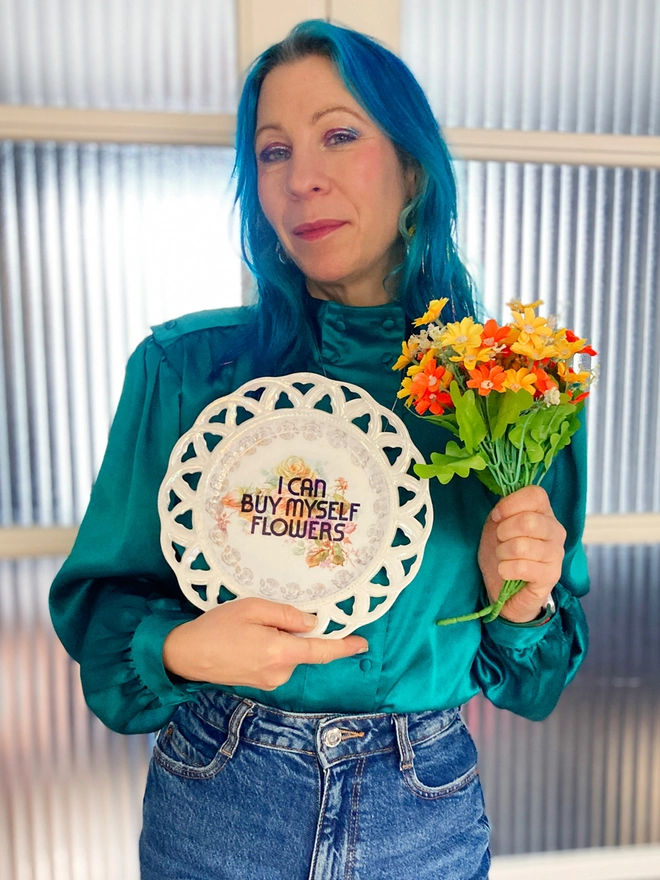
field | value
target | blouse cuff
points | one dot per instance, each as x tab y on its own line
509	634
147	656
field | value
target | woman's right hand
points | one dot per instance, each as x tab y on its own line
249	643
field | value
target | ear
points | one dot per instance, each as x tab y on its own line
410	180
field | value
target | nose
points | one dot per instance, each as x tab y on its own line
305	174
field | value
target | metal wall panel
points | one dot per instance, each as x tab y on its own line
549	65
149	55
70	790
97	243
587	242
589	775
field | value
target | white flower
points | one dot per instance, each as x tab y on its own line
552	397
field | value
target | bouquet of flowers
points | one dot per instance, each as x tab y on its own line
510	394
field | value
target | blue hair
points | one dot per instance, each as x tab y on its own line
383	85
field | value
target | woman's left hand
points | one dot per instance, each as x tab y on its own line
522	540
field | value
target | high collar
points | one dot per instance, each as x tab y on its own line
360	345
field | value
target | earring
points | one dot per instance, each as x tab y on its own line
281	253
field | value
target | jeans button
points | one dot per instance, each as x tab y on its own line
332	737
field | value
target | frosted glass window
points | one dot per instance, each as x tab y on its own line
124	54
97	243
587	242
548	65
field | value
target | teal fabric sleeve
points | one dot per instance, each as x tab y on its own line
525	669
115	626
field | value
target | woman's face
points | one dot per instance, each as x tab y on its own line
330	182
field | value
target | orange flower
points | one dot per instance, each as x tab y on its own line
493	336
517	379
543	382
487	378
428	389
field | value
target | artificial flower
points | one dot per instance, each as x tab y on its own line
462	335
487	378
433	312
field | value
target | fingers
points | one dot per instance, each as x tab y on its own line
327	650
277	614
531	498
287	651
529	543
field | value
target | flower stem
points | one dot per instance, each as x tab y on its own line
509	589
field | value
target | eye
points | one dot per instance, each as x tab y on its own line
339	136
274	153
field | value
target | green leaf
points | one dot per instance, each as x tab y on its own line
534	450
511	404
489	481
449	422
471	425
456	460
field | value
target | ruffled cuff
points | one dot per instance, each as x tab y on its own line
519	636
147	654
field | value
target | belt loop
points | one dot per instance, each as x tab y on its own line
234	732
406	754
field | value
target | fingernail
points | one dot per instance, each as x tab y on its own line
495	515
364	648
310	619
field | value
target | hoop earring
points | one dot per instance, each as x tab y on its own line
281	253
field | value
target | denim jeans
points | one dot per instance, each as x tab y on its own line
241	790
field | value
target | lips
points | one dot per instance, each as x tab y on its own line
317	229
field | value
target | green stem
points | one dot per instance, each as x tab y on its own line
509	589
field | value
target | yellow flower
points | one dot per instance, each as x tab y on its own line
418	366
517	379
433	313
293	466
532	328
534	352
571	378
565	349
516	306
462	335
472	356
408	350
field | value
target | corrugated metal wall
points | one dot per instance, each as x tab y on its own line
97	242
177	55
587	242
542	65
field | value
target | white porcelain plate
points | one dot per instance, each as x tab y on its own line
297	489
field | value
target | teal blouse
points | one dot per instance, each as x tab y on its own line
116	598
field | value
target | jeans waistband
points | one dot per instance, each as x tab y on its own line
332	736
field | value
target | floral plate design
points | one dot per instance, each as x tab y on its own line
296	489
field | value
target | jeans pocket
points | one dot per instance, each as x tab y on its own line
443	764
191	747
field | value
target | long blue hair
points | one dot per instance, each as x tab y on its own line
386	89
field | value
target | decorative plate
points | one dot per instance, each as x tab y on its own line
297	489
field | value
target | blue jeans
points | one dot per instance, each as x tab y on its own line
240	790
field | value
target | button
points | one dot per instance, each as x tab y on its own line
386	358
170	325
365	665
388	324
332	737
340	325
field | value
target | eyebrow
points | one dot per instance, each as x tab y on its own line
314	120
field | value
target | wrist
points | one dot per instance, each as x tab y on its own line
544	615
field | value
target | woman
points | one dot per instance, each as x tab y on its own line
288	757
